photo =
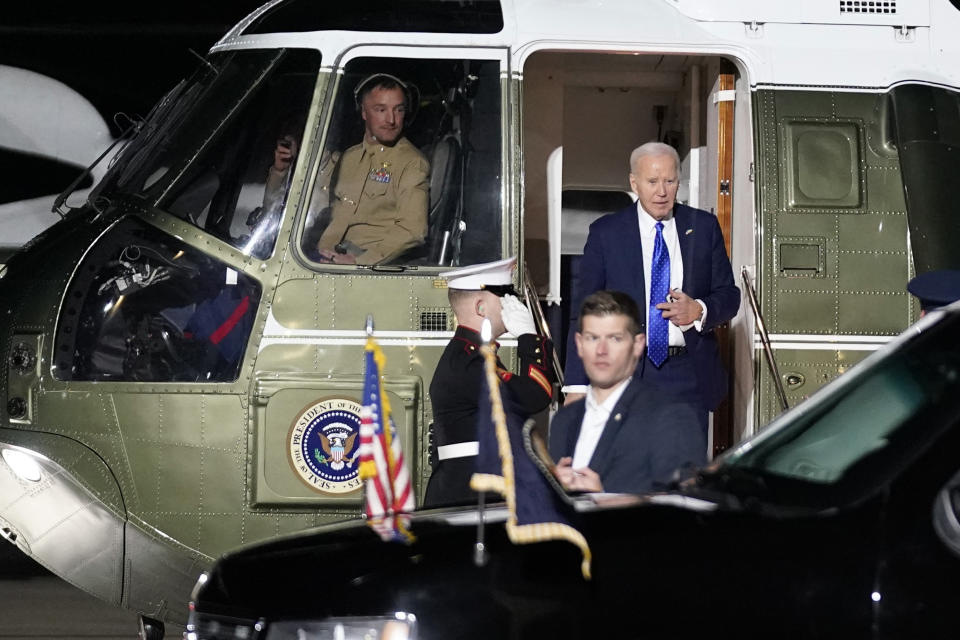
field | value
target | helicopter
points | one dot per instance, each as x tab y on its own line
168	344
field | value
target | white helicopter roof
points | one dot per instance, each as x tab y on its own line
850	44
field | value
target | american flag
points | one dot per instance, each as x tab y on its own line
389	494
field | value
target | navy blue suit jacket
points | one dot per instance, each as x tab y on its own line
612	259
649	434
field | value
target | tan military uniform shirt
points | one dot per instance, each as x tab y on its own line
380	201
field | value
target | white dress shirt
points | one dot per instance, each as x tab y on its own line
595	416
648	234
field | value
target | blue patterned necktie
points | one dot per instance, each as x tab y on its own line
658	337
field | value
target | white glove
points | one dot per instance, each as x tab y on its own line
516	317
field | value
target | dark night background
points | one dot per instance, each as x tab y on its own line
121	56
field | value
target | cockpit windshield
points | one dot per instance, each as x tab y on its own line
840	445
220	150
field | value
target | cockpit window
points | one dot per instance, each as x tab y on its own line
410	173
145	307
871	422
220	152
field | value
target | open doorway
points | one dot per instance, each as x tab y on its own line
583	114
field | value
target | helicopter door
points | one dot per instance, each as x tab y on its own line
599	107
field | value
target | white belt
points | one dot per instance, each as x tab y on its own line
459	450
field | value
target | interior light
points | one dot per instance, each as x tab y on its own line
875	596
21	464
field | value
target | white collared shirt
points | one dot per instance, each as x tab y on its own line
648	234
595	416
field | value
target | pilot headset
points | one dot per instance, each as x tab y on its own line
410	93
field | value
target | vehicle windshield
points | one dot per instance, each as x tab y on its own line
845	441
219	150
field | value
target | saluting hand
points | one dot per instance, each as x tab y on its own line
680	309
517	319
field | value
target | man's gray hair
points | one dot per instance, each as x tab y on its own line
654	149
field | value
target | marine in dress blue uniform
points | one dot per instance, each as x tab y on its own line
456	384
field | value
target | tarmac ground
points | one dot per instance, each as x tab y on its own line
37	605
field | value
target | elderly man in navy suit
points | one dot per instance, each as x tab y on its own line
626	435
671	260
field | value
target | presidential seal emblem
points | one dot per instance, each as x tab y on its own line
324	445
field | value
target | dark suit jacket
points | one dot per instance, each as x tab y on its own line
612	259
649	434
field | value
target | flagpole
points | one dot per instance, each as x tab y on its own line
368	327
480	548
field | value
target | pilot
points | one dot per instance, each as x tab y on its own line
382	190
477	293
935	289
